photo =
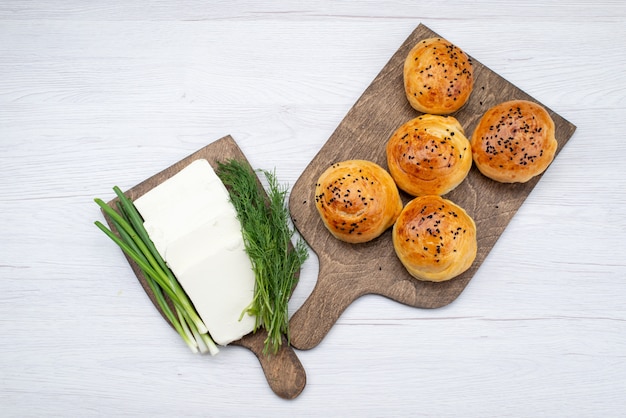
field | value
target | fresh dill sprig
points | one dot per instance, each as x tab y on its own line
267	236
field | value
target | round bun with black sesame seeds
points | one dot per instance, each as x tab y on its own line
435	239
357	200
514	141
438	77
429	155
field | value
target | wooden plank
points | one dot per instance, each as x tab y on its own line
348	271
283	370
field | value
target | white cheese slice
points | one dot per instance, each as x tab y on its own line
195	228
191	197
218	278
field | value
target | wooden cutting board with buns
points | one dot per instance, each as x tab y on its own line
348	270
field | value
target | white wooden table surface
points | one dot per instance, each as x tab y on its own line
95	94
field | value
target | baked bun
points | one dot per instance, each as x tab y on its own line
438	77
435	239
429	155
357	200
514	141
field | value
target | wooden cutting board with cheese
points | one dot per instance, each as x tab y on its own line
348	271
283	370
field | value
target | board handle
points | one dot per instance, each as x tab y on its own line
319	312
284	371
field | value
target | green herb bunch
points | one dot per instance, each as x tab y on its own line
133	239
267	236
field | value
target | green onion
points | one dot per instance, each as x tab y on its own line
267	237
133	239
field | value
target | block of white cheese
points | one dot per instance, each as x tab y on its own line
194	226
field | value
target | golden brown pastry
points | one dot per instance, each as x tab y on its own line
438	77
357	200
514	141
435	239
429	155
